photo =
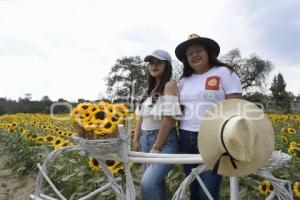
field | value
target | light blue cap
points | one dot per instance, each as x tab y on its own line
160	55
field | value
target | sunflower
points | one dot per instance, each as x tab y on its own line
109	127
40	140
75	113
60	132
65	143
28	136
296	188
120	107
109	106
69	133
46	130
293	149
56	129
83	106
50	138
82	112
100	118
291	130
100	114
24	133
12	129
88	126
114	166
293	144
265	187
57	142
94	164
117	118
283	131
34	136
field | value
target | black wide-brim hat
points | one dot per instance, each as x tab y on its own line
196	39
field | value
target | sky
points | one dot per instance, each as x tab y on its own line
65	48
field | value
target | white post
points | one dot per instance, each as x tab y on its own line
234	188
130	190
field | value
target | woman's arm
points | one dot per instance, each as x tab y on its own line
167	121
137	132
165	127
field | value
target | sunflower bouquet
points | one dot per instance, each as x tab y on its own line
98	121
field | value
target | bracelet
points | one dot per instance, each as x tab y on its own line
156	148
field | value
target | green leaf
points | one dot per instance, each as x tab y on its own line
20	169
100	180
59	167
66	178
82	173
106	193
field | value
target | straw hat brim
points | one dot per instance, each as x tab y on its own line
181	48
209	142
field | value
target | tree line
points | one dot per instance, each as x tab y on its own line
126	83
27	105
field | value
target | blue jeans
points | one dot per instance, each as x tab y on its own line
188	144
153	183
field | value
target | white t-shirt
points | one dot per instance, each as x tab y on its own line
200	91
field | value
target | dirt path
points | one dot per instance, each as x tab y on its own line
11	187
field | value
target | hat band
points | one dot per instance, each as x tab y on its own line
226	153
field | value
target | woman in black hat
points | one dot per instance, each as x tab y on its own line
205	81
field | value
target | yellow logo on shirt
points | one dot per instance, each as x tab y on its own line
212	82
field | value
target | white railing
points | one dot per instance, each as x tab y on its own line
121	148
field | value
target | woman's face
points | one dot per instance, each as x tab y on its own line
197	58
156	68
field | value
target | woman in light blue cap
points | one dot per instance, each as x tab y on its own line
155	130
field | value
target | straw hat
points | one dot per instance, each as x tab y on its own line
235	138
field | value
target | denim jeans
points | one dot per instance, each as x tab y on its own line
188	144
153	183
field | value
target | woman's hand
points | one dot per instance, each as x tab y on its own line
154	151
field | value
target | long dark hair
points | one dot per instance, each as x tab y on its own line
212	60
151	83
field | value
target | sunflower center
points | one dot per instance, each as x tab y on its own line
95	162
57	142
264	187
100	115
110	162
107	125
115	118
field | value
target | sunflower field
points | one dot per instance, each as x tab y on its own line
28	138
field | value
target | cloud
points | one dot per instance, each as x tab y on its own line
65	48
278	26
